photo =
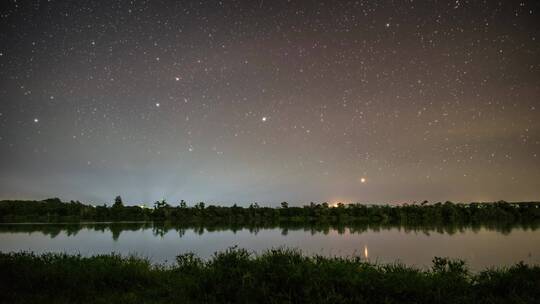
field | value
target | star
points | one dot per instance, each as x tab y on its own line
343	93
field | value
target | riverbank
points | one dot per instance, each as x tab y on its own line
425	214
235	276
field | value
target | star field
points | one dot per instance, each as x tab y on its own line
270	101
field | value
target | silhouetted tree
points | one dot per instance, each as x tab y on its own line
118	202
162	204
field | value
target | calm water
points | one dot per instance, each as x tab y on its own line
480	247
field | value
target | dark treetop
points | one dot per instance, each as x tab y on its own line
53	210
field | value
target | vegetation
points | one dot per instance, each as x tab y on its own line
236	276
424	214
276	276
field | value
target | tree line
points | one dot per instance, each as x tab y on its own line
54	210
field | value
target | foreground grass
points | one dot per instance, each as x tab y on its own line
235	276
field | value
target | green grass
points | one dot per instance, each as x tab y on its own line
236	276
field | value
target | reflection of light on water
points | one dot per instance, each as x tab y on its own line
366	253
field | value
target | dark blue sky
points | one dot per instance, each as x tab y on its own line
270	101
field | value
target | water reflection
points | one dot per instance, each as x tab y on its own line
159	229
481	246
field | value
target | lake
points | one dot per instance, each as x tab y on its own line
480	247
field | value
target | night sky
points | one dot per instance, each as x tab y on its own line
269	101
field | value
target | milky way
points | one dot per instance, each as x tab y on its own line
269	101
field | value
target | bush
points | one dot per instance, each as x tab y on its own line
237	276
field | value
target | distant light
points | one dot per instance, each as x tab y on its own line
388	25
177	78
157	104
36	120
264	118
363	180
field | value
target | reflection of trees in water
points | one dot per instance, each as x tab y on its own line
159	231
181	232
161	228
254	230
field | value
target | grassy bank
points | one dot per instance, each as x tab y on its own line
235	276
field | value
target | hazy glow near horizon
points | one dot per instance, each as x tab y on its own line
240	102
